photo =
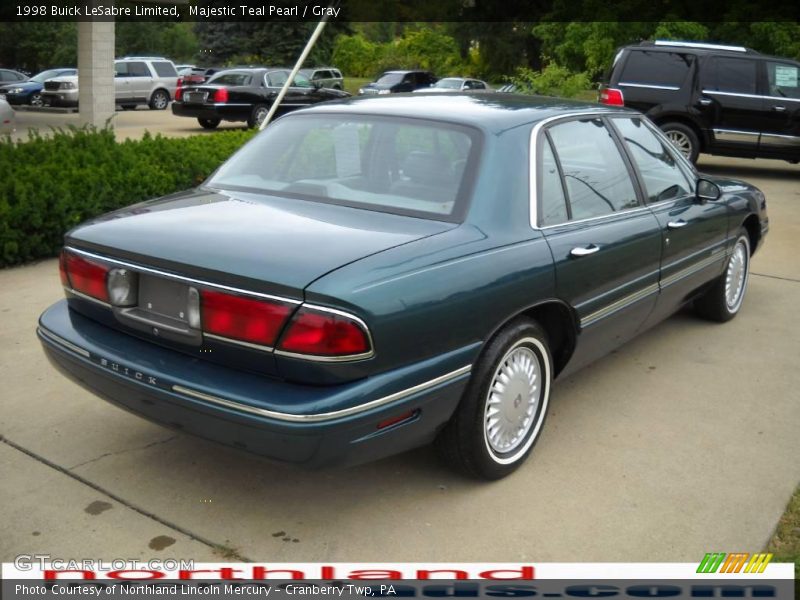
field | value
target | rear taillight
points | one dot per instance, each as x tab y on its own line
323	333
611	97
179	93
221	95
85	276
245	319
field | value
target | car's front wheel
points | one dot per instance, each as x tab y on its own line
257	116
683	138
208	123
724	299
36	100
159	100
501	414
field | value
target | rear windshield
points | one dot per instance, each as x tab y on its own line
402	166
656	68
390	78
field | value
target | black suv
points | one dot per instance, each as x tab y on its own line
725	100
393	82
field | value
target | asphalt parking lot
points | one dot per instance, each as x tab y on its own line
683	442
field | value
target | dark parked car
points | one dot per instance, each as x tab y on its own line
724	100
370	275
246	95
393	82
30	92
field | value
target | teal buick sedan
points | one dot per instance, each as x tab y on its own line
371	275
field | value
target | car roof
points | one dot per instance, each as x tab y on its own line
493	113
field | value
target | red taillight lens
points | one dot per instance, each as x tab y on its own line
240	318
221	95
179	93
324	334
612	97
85	276
180	81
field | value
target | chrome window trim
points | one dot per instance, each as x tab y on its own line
327	416
650	86
167	275
754	96
533	171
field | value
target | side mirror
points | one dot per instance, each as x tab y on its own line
707	190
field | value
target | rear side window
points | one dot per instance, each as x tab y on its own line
553	202
165	69
733	75
231	79
784	80
669	69
597	180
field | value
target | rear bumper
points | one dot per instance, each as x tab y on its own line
315	426
225	112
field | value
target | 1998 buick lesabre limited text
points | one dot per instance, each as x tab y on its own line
371	275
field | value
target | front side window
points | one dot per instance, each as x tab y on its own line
597	180
732	75
277	78
784	80
662	177
393	165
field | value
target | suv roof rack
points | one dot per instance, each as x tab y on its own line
142	58
703	46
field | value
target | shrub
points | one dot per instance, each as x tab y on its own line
553	80
50	184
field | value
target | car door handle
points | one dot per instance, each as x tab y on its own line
677	224
706	101
779	108
584	250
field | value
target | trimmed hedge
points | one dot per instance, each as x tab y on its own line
50	184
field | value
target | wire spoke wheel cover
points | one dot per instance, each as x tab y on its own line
516	401
736	276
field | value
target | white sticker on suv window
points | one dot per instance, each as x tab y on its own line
785	76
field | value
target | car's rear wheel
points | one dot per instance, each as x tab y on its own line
501	414
159	100
724	299
683	138
257	116
208	123
36	100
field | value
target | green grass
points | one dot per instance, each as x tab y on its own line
351	84
785	543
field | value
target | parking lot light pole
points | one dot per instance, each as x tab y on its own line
309	45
